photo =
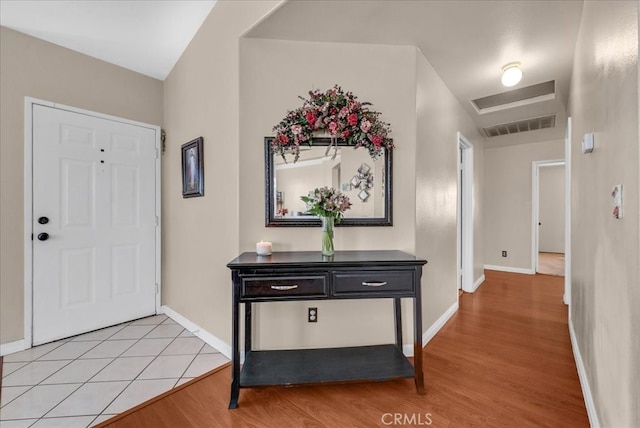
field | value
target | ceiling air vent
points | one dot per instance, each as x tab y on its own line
521	126
515	98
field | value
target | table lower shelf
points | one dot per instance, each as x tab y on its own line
303	366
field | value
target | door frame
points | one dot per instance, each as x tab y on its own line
567	216
465	214
535	205
29	102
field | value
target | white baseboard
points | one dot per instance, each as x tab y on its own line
440	322
12	347
474	286
584	381
510	269
211	340
433	330
215	342
478	283
221	346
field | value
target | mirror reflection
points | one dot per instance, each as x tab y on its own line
352	171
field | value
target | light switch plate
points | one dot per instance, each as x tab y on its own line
616	196
587	143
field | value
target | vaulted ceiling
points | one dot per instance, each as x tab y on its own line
466	42
145	36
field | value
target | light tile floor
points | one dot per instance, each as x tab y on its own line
86	379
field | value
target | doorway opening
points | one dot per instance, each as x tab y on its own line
549	195
465	280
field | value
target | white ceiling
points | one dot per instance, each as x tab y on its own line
467	42
146	36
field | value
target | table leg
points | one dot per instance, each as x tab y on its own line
235	345
417	343
398	314
247	328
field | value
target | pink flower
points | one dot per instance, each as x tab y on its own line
311	117
333	127
341	115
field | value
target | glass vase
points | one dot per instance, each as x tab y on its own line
327	235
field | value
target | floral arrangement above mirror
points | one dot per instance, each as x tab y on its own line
337	113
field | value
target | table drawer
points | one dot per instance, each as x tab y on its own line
284	286
373	282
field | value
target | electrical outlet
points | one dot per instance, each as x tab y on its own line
504	254
312	315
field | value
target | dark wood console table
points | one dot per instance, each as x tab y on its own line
307	275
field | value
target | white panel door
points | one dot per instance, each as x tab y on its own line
94	187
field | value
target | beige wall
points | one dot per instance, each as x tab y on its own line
272	76
605	296
551	209
478	211
508	201
34	68
200	235
424	174
439	118
295	182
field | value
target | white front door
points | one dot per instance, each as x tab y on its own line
94	222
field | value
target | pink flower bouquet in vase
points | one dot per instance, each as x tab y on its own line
330	205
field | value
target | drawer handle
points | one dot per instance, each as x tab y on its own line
374	283
284	287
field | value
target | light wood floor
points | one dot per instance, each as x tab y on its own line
551	264
503	360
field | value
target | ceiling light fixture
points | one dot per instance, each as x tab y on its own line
511	74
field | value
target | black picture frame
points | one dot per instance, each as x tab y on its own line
270	194
193	168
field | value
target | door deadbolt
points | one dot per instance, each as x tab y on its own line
43	220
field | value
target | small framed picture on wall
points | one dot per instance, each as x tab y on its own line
192	169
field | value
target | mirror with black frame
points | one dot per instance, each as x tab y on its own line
353	172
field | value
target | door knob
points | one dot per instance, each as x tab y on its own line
43	236
43	220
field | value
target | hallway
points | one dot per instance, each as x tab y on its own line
503	360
